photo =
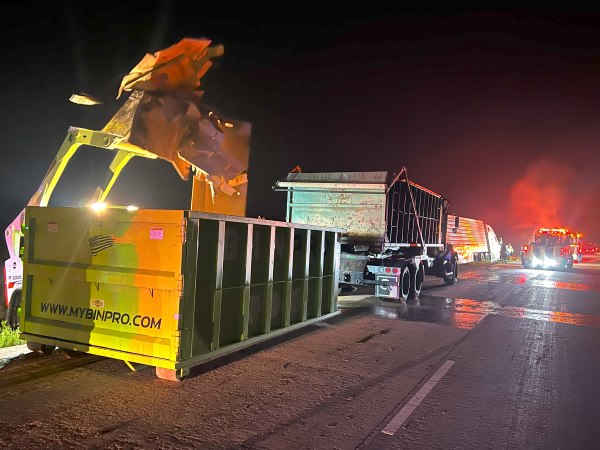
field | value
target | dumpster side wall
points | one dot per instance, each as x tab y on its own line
246	279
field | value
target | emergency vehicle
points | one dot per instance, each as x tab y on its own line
550	248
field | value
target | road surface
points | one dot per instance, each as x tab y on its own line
506	358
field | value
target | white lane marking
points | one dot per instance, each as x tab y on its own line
398	420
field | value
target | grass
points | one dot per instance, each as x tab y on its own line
8	336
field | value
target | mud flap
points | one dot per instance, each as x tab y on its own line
389	289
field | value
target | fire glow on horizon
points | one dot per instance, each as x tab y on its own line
541	198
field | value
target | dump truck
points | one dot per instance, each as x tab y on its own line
395	228
163	287
473	239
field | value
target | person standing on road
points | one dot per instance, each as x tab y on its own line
509	251
503	252
450	258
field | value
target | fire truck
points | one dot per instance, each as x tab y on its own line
550	248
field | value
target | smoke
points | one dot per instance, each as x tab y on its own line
541	198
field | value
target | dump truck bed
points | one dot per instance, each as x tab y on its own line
375	208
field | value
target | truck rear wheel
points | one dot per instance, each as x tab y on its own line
404	284
417	275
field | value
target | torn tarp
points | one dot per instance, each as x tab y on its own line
180	66
165	114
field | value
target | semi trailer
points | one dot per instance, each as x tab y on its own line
473	239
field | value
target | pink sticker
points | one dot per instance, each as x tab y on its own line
53	227
157	234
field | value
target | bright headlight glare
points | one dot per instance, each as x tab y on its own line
132	208
98	206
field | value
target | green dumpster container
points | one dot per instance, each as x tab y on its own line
171	288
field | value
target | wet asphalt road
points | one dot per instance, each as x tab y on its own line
507	358
525	376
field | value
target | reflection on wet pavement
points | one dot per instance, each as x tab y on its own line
461	312
550	316
537	278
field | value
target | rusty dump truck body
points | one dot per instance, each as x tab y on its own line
171	288
395	228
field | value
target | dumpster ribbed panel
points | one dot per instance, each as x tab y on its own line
274	275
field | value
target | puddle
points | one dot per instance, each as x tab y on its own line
460	313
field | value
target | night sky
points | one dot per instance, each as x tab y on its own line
497	110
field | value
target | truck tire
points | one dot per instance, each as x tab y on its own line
12	314
417	275
404	284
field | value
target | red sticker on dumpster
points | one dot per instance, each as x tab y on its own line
157	234
53	227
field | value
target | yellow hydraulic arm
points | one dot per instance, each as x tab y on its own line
76	137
